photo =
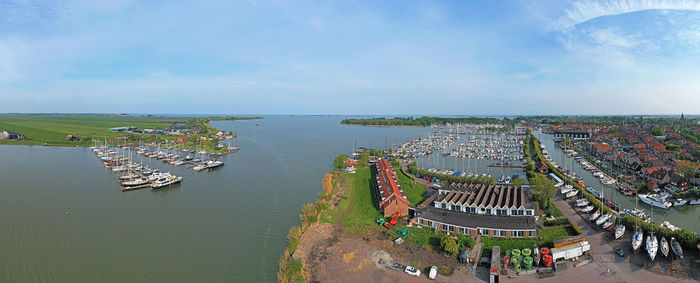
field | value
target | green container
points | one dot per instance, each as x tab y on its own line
527	252
515	260
527	262
516	252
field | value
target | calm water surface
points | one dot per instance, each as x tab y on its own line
224	225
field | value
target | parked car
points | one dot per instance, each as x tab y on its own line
620	252
412	271
433	272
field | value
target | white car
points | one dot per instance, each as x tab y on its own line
412	271
433	272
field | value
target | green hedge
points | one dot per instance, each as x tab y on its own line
556	221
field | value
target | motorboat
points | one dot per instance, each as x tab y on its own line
166	182
637	239
536	255
595	215
571	194
199	167
602	219
587	208
135	182
566	189
655	200
619	231
680	202
664	247
652	246
608	224
676	248
584	202
669	226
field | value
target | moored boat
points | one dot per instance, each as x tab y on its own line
587	208
619	231
637	239
571	194
655	200
595	215
652	246
676	248
602	219
664	247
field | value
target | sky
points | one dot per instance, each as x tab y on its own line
350	57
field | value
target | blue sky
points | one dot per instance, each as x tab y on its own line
350	57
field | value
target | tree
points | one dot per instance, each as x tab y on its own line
688	171
657	132
339	161
542	190
518	182
449	245
364	156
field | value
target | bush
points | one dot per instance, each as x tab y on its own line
444	270
449	245
556	221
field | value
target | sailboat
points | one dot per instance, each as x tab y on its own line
638	235
652	242
664	247
676	248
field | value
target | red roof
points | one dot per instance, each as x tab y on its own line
389	189
603	147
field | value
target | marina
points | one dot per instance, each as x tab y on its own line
686	216
469	150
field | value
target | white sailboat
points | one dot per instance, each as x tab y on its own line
652	246
595	215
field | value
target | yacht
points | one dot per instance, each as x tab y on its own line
668	225
637	239
200	167
652	246
655	200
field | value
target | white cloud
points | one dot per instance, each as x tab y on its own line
583	11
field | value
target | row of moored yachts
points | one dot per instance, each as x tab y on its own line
135	176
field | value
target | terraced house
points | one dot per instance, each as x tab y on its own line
390	197
488	210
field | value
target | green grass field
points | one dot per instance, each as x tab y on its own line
51	129
356	209
413	190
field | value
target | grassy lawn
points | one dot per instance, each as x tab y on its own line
545	237
53	128
356	209
413	190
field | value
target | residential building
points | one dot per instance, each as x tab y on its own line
390	197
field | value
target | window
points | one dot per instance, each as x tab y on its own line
513	234
472	209
488	211
513	212
521	212
462	230
503	233
452	207
444	227
451	228
529	212
521	233
531	234
484	232
444	205
458	208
